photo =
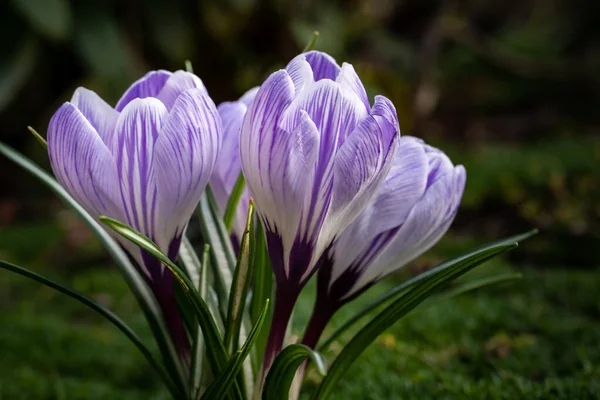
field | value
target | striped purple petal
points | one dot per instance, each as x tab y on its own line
228	165
425	225
348	79
101	115
149	85
81	161
413	209
361	165
185	154
137	130
323	65
258	136
404	185
178	82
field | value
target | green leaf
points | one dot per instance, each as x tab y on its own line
476	284
262	290
240	286
38	137
217	354
51	18
134	279
198	348
311	43
282	372
188	66
397	309
222	255
106	313
190	261
234	200
218	389
401	288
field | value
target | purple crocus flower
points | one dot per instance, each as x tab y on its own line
412	210
313	153
145	162
229	165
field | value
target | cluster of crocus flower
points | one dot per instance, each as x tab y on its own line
338	191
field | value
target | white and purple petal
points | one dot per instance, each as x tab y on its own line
101	115
404	185
137	130
81	161
425	225
186	148
178	83
149	85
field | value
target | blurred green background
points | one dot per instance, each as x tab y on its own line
510	89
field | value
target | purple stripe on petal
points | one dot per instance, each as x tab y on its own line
229	166
81	162
383	107
300	72
323	65
425	225
403	186
361	165
102	116
148	86
137	130
186	149
291	173
258	135
178	82
350	81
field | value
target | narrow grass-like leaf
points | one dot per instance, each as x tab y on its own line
312	42
38	137
476	284
401	288
190	261
134	279
233	202
106	313
216	351
188	66
262	289
396	310
196	371
282	372
240	285
218	389
222	255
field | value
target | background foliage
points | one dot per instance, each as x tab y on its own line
510	89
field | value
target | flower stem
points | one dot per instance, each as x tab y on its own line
285	299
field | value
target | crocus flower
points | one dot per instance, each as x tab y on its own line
412	210
145	162
313	153
229	166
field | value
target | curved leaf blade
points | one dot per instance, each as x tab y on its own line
469	286
105	312
218	389
282	372
234	200
217	354
222	256
240	285
134	279
397	310
402	287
